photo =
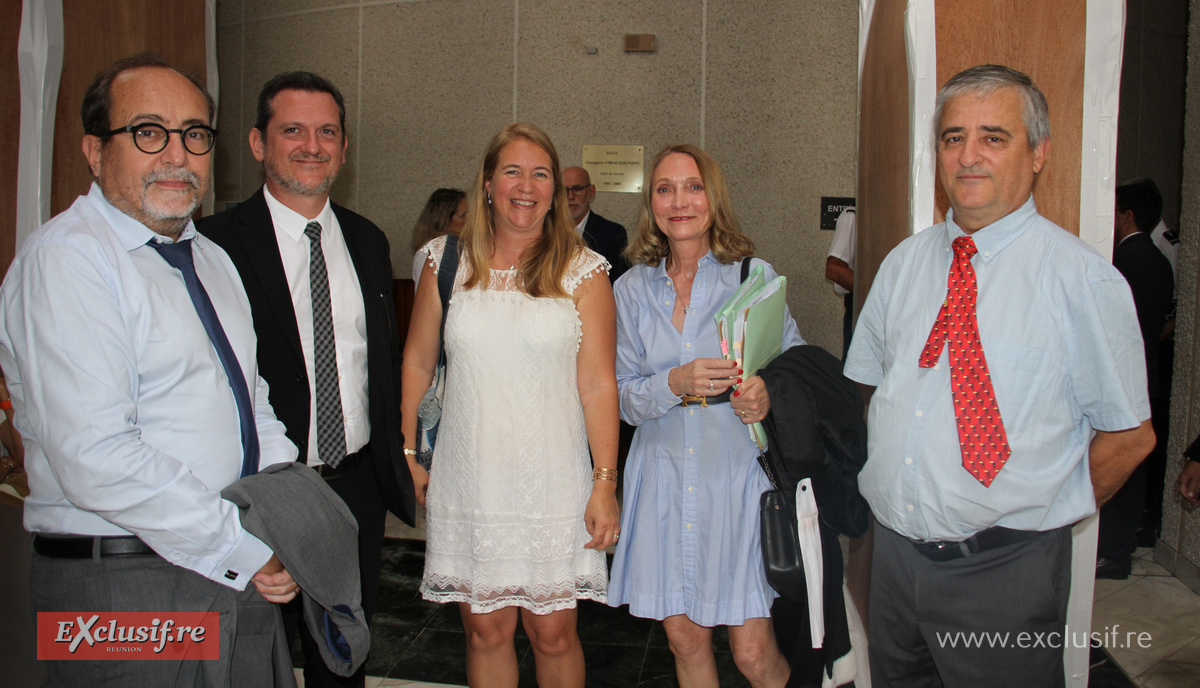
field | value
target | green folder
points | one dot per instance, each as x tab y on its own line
763	339
741	298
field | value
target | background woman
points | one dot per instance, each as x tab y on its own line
691	554
444	213
517	518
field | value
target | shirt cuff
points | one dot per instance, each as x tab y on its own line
245	559
664	398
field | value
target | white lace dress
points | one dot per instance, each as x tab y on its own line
512	473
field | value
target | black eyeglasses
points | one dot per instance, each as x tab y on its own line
576	190
152	138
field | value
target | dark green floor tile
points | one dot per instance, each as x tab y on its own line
440	657
604	625
388	645
658	669
1105	673
612	666
402	607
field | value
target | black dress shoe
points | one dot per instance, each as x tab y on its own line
1113	570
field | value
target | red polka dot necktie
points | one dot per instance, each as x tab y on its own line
981	435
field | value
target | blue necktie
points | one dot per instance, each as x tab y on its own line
179	255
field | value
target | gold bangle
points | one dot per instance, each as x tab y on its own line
604	474
410	452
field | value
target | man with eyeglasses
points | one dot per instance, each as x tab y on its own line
319	278
129	348
602	235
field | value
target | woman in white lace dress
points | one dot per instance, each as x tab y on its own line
518	520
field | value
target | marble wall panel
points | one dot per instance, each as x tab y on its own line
611	97
1181	525
230	12
231	142
780	117
261	9
326	42
436	86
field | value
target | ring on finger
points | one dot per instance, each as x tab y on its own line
710	386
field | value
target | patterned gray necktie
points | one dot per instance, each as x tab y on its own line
331	430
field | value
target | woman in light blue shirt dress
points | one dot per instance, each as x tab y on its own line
689	552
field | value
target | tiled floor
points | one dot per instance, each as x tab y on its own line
417	643
1153	603
415	640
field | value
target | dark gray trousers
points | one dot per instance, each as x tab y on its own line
253	651
923	614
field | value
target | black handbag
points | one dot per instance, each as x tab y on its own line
780	539
429	412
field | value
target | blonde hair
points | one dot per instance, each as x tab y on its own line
725	236
435	218
546	262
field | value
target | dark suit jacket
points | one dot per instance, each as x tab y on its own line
608	239
1152	282
247	234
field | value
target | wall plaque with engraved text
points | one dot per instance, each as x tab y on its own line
615	168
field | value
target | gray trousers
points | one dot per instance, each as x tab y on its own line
1014	599
253	651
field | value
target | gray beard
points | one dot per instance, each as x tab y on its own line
293	185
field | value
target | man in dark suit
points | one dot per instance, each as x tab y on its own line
319	279
602	236
1138	210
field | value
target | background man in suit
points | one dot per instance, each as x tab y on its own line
319	280
602	236
139	406
1138	211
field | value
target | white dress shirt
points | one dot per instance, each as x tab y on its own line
349	316
1169	248
583	223
844	247
129	423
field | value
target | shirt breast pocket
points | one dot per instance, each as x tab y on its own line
1020	375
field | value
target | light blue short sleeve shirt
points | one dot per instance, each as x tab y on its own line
1061	340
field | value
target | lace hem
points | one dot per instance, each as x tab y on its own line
485	603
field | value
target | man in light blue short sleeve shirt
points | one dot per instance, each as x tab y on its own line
1063	352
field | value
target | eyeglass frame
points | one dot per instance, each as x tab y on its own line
576	190
133	129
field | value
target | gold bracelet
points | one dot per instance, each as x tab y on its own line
604	474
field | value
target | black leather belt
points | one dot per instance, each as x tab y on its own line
90	547
349	463
982	541
689	399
